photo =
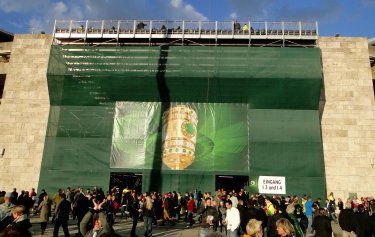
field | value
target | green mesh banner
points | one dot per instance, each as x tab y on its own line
200	137
260	108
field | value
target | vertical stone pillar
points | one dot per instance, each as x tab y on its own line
348	123
24	112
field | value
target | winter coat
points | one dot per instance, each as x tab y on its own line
63	209
346	220
45	210
88	231
208	211
22	222
322	226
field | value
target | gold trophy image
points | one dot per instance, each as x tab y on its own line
179	136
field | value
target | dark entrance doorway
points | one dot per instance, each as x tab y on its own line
126	180
230	182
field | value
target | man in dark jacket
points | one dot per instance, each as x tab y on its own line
322	224
210	216
346	220
95	222
361	222
81	207
134	211
62	211
243	216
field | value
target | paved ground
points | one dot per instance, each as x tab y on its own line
123	226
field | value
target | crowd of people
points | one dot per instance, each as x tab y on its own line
227	214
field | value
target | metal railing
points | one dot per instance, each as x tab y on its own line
185	27
157	29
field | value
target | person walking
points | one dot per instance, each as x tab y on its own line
148	216
190	210
134	211
209	216
44	209
322	224
62	212
346	220
232	219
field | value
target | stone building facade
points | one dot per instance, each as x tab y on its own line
347	113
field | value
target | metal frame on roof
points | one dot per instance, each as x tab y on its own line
156	32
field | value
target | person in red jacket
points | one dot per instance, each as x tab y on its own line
190	209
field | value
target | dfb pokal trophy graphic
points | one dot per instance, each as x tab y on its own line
179	136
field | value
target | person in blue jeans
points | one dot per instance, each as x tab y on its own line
331	210
309	213
148	216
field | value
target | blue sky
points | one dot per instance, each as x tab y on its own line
346	17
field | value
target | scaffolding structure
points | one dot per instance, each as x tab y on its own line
156	32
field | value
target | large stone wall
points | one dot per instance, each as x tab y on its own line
347	107
348	123
24	112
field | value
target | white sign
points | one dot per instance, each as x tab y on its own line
271	185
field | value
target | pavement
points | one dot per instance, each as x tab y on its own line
123	227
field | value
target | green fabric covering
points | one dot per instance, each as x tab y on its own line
281	87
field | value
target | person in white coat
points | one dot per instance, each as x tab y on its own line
232	219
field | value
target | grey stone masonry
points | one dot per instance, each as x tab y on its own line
24	112
348	123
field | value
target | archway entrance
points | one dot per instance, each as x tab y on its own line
231	182
126	180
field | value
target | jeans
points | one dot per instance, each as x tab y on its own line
64	224
134	226
190	218
205	232
309	228
148	225
333	216
232	233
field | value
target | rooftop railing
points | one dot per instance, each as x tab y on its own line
116	29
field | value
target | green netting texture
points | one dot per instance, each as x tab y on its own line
277	78
278	87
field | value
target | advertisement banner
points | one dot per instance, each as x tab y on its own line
185	136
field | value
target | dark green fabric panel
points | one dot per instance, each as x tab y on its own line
288	143
286	159
179	182
53	179
279	78
70	153
141	60
313	186
260	94
77	147
81	121
270	126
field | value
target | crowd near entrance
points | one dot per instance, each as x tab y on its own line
124	180
231	182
